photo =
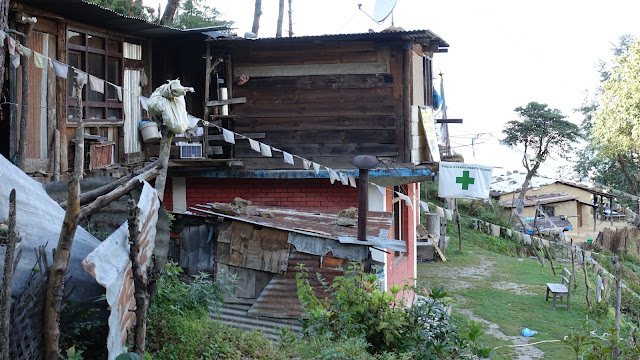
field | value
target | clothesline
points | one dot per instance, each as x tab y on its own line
16	49
267	151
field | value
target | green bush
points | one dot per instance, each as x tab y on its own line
356	309
180	326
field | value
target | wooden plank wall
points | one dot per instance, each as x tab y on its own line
327	102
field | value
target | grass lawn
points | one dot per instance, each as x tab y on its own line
509	292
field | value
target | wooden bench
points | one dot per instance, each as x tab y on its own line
561	290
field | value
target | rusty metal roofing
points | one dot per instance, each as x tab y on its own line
311	222
543	199
280	298
86	12
413	35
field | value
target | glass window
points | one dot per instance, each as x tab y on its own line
75	38
113	76
114	46
114	114
95	42
96	68
94	113
102	57
74	59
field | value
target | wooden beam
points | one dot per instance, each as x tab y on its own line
312	69
239	100
435	246
449	121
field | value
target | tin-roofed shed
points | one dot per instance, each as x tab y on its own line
263	250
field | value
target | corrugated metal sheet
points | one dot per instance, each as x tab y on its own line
280	298
86	12
413	35
506	184
110	265
130	102
548	198
311	222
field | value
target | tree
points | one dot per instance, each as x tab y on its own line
126	7
616	122
194	14
597	162
280	18
169	11
541	131
257	12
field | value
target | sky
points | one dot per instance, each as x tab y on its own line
503	54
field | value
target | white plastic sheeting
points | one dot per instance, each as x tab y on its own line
110	265
39	221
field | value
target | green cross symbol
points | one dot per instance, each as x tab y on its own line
465	180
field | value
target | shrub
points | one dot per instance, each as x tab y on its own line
180	326
358	310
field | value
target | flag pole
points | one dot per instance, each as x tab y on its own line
455	201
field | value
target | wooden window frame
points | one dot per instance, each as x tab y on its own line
85	50
399	233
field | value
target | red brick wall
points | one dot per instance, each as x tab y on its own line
301	193
401	269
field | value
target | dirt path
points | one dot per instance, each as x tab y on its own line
459	278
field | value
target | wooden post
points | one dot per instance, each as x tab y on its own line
595	212
56	155
459	226
573	265
26	93
611	209
586	281
363	201
443	232
78	163
165	148
61	114
58	269
7	277
616	264
140	293
14	124
601	209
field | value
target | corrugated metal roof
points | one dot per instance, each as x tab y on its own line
313	222
547	198
280	297
512	182
86	12
413	35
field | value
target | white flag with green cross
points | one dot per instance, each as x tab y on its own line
468	181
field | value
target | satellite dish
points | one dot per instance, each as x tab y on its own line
382	9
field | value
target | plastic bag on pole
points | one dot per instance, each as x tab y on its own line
167	102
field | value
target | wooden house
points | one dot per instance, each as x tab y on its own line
100	42
323	98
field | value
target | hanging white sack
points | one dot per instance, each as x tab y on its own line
167	101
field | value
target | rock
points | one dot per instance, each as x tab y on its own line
350	213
